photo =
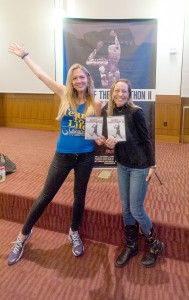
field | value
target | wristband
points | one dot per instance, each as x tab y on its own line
24	55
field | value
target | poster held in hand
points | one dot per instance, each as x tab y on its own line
116	128
93	127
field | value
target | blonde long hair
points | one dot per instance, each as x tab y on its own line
69	99
111	103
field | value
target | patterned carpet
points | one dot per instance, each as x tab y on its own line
48	264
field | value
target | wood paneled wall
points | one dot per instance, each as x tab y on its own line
168	118
39	111
185	102
34	111
1	109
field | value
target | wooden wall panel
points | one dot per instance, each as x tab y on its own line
1	109
185	102
35	111
168	118
38	111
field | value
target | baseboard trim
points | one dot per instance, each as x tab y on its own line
167	138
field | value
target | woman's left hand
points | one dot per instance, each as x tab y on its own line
100	140
150	173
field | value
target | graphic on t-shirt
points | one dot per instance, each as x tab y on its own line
73	124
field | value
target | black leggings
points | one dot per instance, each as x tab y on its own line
59	169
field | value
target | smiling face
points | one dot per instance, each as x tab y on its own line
79	80
120	94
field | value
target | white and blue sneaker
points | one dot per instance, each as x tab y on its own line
17	250
77	244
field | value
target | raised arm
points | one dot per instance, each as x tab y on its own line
19	51
117	43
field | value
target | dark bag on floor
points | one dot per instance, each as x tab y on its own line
10	166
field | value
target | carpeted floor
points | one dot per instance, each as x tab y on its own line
48	269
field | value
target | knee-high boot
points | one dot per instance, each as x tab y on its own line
131	249
155	248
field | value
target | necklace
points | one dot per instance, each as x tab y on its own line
120	110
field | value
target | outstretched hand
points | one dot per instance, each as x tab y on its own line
112	33
16	49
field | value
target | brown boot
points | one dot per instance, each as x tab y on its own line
155	248
131	249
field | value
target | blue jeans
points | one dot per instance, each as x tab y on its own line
132	188
59	169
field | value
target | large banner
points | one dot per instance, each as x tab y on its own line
113	49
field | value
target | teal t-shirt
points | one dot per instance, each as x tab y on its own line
72	133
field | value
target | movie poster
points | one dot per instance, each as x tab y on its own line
113	49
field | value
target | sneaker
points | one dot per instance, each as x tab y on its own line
77	245
17	250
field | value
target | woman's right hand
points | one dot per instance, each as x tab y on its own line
17	49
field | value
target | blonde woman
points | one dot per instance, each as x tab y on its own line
135	166
72	150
